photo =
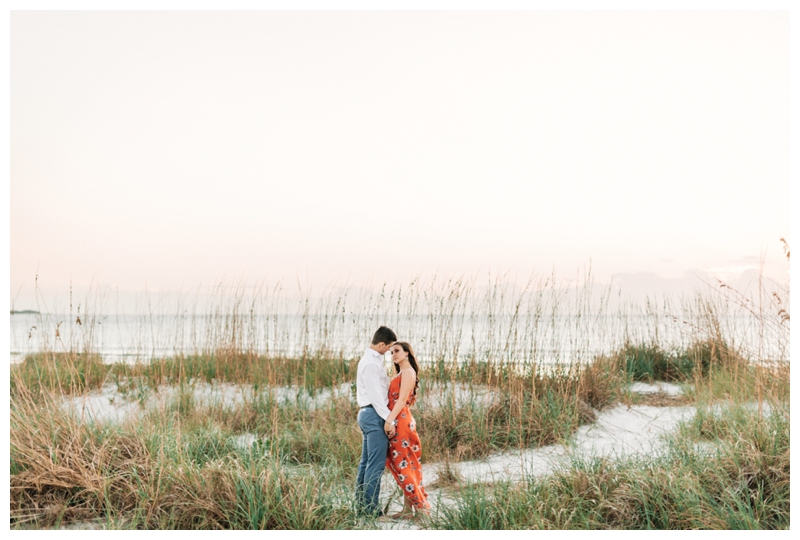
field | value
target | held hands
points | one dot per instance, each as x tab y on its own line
389	428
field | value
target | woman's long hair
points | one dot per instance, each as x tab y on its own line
412	359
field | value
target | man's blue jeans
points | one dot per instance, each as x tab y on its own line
374	447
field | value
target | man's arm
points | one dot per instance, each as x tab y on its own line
375	394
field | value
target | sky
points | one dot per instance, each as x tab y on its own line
166	149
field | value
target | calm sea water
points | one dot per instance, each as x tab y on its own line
544	339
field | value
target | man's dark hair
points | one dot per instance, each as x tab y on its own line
384	335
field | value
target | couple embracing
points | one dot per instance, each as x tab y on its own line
389	431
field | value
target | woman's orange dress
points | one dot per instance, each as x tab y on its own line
405	450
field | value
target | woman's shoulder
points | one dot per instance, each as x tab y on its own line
408	373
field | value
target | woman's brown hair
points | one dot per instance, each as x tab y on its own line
412	359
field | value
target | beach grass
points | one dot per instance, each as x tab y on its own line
283	454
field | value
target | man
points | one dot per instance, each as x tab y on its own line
372	394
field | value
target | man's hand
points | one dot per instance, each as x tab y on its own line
388	427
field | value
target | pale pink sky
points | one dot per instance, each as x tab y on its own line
163	149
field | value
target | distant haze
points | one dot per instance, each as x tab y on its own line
163	150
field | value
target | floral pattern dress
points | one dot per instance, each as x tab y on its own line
405	451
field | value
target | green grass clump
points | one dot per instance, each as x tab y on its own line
649	362
65	373
310	372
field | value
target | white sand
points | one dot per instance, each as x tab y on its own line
436	395
659	387
109	405
300	396
618	432
245	440
103	405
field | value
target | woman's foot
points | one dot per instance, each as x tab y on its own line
403	515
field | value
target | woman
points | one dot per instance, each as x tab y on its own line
404	444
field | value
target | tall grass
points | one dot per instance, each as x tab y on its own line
502	367
159	475
540	322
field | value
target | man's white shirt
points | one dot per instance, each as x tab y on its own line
372	383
